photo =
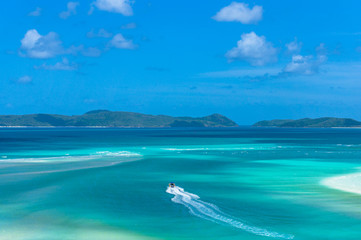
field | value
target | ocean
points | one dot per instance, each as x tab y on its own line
231	183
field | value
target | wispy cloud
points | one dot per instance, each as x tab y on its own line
71	10
35	13
117	6
118	41
131	25
101	33
294	47
24	79
91	52
64	65
239	12
253	49
244	72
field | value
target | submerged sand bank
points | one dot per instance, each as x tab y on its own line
347	183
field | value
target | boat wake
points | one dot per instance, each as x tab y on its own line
212	213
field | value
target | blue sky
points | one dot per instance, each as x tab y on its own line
249	60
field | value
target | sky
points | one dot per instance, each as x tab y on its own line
248	60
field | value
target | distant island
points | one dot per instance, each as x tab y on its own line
105	118
325	122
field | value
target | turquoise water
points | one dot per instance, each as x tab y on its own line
243	183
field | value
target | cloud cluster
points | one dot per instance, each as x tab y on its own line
299	65
71	10
239	12
253	49
34	45
117	6
305	65
257	51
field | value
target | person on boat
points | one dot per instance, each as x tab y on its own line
171	185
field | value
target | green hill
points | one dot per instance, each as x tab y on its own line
310	123
105	118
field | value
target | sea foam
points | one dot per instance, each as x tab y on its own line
212	213
119	153
72	158
68	162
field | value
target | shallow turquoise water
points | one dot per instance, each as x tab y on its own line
253	183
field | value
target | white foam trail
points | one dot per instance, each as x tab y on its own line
71	163
100	165
212	213
120	153
49	159
212	149
71	158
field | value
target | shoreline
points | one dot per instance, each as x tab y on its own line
240	126
125	127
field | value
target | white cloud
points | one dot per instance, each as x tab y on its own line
129	26
102	33
25	79
294	46
118	41
300	65
35	13
305	65
64	65
34	45
253	49
71	10
118	6
239	12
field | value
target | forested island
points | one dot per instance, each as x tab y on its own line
105	118
325	122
